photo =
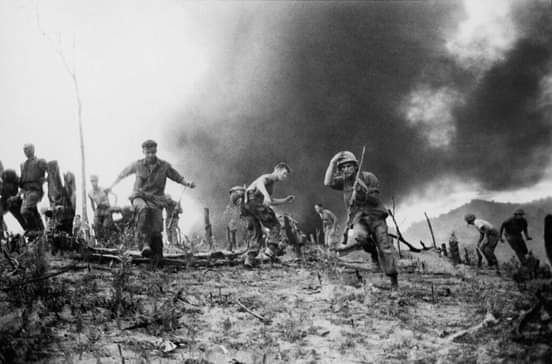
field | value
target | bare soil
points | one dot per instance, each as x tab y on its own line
299	311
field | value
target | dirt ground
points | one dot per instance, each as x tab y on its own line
300	311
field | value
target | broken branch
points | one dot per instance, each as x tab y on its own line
262	319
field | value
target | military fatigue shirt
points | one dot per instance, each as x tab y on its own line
514	226
33	172
151	178
367	195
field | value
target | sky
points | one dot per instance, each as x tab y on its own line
452	98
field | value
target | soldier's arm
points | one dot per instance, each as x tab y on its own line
502	227
281	201
332	217
525	231
178	178
331	179
124	173
115	198
481	235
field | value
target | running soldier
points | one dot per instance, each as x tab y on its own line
488	238
514	227
329	223
148	197
99	201
366	212
258	212
33	173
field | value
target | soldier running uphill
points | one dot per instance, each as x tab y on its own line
366	211
514	227
258	212
488	238
148	197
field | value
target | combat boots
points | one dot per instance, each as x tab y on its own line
269	254
251	260
153	247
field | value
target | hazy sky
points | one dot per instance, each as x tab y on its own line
230	88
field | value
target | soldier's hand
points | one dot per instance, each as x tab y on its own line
290	198
267	202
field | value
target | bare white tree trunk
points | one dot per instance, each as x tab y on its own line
72	72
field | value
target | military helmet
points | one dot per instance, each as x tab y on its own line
346	157
469	218
236	193
519	212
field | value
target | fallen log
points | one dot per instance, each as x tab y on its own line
213	259
489	320
411	247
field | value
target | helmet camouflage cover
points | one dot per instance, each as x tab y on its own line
346	157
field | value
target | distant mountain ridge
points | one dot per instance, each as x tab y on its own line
495	213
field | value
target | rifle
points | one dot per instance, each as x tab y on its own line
353	197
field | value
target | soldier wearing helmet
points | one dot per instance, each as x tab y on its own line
514	228
488	238
367	211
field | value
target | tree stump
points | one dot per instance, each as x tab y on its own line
208	229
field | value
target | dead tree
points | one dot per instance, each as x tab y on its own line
208	229
72	72
431	230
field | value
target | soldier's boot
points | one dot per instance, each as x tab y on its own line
394	282
251	260
269	254
157	245
147	245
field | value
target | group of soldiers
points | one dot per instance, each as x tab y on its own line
21	194
360	190
366	226
514	229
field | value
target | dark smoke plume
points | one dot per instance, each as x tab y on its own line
300	81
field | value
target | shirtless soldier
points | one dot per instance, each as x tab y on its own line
366	211
258	212
99	201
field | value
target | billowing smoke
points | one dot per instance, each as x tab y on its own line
300	81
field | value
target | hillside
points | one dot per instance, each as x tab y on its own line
495	213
